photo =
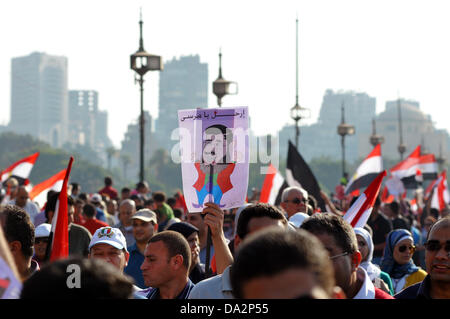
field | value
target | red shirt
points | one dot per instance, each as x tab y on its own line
110	191
93	224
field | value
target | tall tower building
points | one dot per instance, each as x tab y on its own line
183	84
39	97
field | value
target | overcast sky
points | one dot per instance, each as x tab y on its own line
383	48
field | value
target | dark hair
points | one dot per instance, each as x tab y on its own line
312	201
148	201
83	196
255	211
395	207
171	201
335	226
176	244
159	197
178	213
51	203
272	251
89	210
125	190
75	186
98	280
18	227
108	181
141	185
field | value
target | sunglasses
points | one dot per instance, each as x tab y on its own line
434	245
403	248
296	201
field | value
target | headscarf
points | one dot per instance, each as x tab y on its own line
372	270
388	264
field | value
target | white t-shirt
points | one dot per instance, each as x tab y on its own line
30	207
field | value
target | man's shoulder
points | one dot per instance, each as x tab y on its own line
207	288
410	292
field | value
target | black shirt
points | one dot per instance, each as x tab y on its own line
381	227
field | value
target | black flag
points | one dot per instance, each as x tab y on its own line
299	174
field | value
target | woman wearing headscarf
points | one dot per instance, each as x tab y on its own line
365	244
397	260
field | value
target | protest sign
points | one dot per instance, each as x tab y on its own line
214	148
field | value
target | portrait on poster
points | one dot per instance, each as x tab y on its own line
214	156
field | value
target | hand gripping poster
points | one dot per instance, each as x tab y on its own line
214	149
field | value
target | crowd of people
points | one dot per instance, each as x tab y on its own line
146	245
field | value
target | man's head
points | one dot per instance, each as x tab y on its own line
392	209
75	189
437	254
108	181
97	280
22	196
258	216
167	259
127	209
51	206
294	200
159	198
190	232
145	225
110	245
89	211
279	264
142	188
96	199
19	233
339	239
197	220
125	193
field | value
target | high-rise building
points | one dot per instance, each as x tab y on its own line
183	84
87	124
321	139
39	99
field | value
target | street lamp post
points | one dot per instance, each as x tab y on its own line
374	138
142	62
440	159
401	147
343	130
297	112
222	87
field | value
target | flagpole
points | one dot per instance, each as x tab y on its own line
208	271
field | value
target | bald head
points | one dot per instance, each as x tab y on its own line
22	197
127	209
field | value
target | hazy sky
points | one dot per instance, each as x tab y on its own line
379	47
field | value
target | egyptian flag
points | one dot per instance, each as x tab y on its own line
58	247
428	166
358	214
299	174
39	192
367	171
441	196
20	170
272	184
407	169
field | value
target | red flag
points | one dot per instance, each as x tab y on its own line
359	213
272	185
39	192
60	223
441	195
20	169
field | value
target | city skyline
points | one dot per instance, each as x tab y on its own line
383	49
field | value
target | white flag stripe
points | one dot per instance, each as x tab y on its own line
429	167
22	170
277	182
291	180
362	221
406	173
42	197
351	213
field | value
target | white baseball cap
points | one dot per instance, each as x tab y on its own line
109	235
43	230
298	218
